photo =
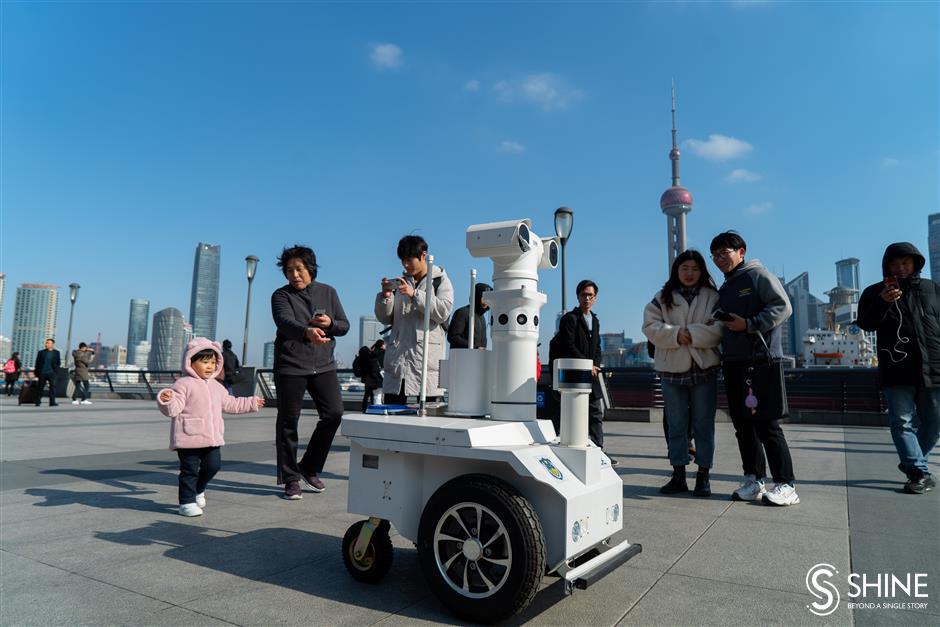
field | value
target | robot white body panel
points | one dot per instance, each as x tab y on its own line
491	504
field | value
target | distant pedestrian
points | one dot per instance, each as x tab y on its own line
400	303
904	311
309	317
678	322
46	370
230	365
82	358
753	307
195	403
368	367
11	372
458	331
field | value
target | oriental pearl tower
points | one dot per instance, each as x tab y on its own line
677	200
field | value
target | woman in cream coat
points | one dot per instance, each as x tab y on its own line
679	324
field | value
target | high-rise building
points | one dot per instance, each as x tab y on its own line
166	341
6	349
369	328
34	318
141	354
268	355
806	312
137	326
112	356
847	275
933	244
676	201
204	299
3	289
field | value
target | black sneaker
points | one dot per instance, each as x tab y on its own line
929	483
918	482
313	481
292	491
703	486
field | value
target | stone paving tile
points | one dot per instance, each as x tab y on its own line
664	535
770	555
678	600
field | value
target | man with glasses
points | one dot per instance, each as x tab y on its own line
752	301
579	337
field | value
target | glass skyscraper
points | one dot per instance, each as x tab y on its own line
204	300
137	326
847	275
34	318
806	312
933	244
166	343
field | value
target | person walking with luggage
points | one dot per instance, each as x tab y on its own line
400	303
195	404
82	358
904	311
678	322
11	372
46	369
308	317
753	307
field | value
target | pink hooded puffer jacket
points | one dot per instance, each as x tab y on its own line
197	404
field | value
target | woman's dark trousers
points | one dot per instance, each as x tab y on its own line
755	437
197	467
327	398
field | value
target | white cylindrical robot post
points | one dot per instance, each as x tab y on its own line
573	379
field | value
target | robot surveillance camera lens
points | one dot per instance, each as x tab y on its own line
521	319
553	253
524	237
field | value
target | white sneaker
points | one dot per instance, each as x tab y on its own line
201	499
86	402
750	490
781	494
190	509
76	402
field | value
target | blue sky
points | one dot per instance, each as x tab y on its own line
133	130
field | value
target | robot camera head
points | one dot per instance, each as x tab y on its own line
512	238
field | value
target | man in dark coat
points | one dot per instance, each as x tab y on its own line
579	337
230	365
46	369
904	311
458	331
371	359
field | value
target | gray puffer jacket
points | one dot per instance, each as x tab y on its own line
404	347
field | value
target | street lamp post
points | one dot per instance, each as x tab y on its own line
251	264
73	296
564	221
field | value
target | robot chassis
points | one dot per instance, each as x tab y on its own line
492	499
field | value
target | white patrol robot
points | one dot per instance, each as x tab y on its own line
490	496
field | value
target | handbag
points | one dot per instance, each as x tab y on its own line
765	387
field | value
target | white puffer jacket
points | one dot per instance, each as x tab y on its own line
661	326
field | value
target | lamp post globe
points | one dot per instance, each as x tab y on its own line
564	222
251	265
73	296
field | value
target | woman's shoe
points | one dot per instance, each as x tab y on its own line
677	484
703	486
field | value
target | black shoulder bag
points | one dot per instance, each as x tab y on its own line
764	386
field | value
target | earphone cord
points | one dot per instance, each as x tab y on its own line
901	340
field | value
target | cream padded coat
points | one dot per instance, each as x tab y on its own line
661	326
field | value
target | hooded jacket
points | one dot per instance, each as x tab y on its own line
292	310
661	326
404	346
916	316
755	294
82	359
458	331
197	404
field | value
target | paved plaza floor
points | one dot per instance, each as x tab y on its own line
89	534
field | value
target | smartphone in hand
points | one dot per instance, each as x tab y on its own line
724	316
891	283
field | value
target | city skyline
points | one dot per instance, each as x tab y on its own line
305	134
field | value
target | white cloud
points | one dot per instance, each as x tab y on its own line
890	162
386	56
718	147
511	146
740	175
759	208
546	90
472	85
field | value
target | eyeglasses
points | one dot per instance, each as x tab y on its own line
723	254
587	296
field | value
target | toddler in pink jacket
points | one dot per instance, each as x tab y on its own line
195	404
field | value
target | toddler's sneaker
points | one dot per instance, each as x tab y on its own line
751	490
781	494
190	509
292	491
201	499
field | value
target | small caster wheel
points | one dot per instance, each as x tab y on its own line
375	561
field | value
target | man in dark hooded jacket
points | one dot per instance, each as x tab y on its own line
458	331
904	311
